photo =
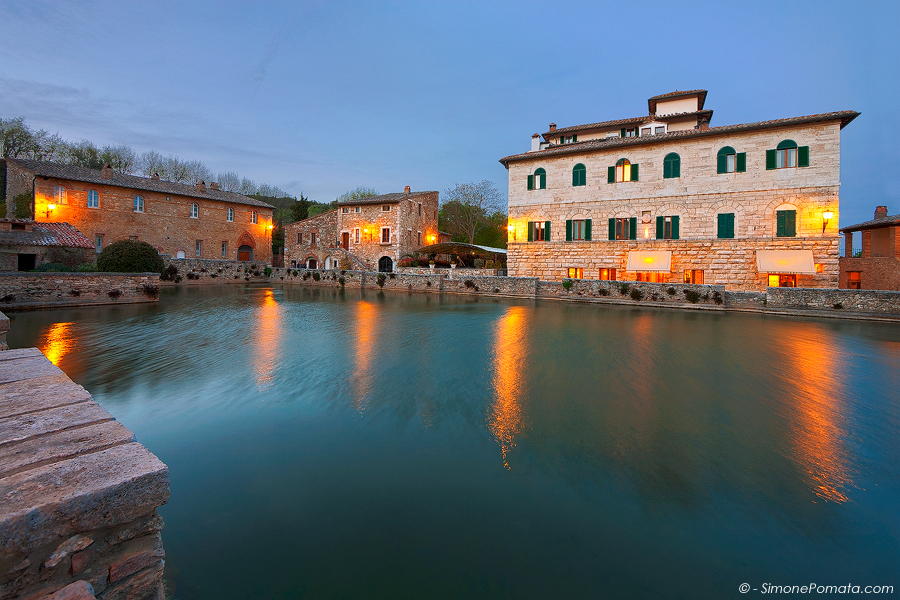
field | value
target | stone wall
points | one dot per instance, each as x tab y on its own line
298	240
450	273
866	301
50	290
881	273
78	495
204	271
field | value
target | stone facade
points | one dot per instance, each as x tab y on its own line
51	290
168	222
697	195
314	243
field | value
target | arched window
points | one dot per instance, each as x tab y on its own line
60	196
254	217
195	210
671	166
730	161
623	170
579	175
93	199
230	215
138	204
538	181
786	154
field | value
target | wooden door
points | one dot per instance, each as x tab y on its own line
345	240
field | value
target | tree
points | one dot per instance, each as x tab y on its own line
127	256
356	194
300	208
121	158
468	207
16	139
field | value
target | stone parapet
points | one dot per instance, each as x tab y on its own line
78	495
189	271
865	301
52	290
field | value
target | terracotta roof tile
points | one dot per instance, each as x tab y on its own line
873	224
46	234
384	199
634	120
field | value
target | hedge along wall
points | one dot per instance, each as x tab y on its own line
50	290
869	301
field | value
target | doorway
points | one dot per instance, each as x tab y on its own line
385	264
27	262
345	240
245	253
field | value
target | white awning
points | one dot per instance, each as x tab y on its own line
645	260
785	261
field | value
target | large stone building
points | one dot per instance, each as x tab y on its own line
372	233
877	266
665	197
184	221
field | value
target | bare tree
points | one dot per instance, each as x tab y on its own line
229	181
356	194
248	186
467	207
121	158
16	139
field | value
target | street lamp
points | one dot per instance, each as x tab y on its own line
826	216
50	207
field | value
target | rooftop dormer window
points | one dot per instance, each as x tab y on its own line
568	139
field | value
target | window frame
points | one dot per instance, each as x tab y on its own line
786	223
623	228
254	217
575	273
93	199
225	249
720	225
195	210
607	274
138	204
229	215
198	248
60	195
385	208
356	235
383	230
99	237
729	160
691	276
672	166
579	175
538	179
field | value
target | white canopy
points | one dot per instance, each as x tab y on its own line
785	261
646	260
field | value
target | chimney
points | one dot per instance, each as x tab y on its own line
201	186
704	124
880	211
535	142
107	171
552	126
155	176
406	190
214	186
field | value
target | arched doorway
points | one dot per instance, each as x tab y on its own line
179	254
385	264
311	263
245	253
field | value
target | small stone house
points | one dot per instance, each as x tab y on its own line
25	245
878	265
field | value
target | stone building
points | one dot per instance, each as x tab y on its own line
184	221
25	245
372	233
878	265
667	198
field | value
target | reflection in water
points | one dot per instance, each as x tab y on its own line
510	354
266	341
813	362
58	342
366	340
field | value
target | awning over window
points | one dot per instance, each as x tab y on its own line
645	260
785	261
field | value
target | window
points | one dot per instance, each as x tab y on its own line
659	129
578	229
198	248
652	277
420	209
224	249
539	231
787	154
312	238
93	199
725	225
575	273
607	274
419	239
645	130
385	208
579	175
138	204
623	171
785	223
820	268
356	235
385	235
357	209
195	210
299	237
60	195
783	280
730	161
623	229
693	276
538	181
98	243
568	139
667	228
230	215
254	217
854	280
671	166
345	209
629	132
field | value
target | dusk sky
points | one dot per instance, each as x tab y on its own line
321	97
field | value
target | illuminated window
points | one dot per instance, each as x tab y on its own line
538	181
60	196
198	248
820	268
254	217
782	280
538	231
652	277
731	161
623	171
356	235
579	175
693	276
195	210
854	280
386	208
607	274
93	199
224	249
786	155
385	235
98	243
230	215
623	229
576	273
671	166
138	204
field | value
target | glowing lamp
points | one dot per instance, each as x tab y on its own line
51	207
649	260
509	227
271	226
826	216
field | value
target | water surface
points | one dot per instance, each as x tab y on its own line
326	444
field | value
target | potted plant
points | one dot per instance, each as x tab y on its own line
430	264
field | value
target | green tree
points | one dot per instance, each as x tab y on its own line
468	208
356	194
300	208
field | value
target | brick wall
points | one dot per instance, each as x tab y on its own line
875	273
47	290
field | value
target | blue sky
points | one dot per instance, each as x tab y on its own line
322	97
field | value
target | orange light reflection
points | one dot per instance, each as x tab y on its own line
267	340
510	353
58	342
366	340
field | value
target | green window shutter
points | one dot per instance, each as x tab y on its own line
720	226
790	223
632	228
574	177
568	230
676	168
612	229
667	169
543	181
803	156
587	230
531	182
611	175
530	231
660	222
729	225
574	138
770	160
675	227
740	162
623	132
546	231
634	172
780	221
722	163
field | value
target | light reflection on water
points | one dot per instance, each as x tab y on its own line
425	446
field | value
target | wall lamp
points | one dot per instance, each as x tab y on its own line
826	216
511	229
50	207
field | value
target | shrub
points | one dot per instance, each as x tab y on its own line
150	290
127	256
52	267
636	294
316	276
479	263
623	288
170	272
567	284
717	297
114	293
22	205
670	291
692	296
838	305
267	271
381	278
342	281
87	268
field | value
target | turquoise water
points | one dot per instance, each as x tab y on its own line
366	445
